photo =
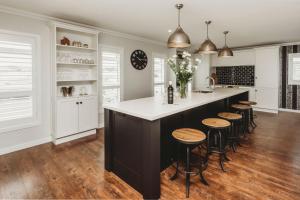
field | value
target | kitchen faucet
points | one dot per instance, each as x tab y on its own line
213	80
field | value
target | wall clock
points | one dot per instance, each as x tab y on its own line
139	59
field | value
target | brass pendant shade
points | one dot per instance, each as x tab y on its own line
225	51
179	39
207	47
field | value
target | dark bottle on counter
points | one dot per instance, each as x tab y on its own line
170	93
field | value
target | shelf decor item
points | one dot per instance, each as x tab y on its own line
65	41
184	71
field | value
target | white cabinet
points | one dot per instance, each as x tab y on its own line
88	114
66	117
241	57
267	78
267	98
76	115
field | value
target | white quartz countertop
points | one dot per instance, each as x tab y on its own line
152	108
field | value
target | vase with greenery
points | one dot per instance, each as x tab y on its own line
184	71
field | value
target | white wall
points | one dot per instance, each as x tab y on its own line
202	72
27	137
137	83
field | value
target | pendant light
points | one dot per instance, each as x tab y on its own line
179	39
225	51
207	47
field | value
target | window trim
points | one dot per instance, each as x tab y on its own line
115	49
19	124
291	81
161	56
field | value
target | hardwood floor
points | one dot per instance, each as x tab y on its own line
267	167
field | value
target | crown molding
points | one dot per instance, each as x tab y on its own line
19	12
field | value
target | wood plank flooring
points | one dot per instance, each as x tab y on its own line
266	167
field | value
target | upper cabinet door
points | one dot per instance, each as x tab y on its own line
88	113
66	117
267	67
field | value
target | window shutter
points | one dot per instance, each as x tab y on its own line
111	62
15	80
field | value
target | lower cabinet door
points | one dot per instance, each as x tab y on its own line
267	98
66	117
88	113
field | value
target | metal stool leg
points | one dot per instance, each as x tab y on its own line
187	176
221	155
177	164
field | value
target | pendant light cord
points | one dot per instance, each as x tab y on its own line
179	17
207	30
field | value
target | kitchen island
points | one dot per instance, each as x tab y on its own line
138	142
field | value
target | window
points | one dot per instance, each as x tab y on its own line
111	73
294	69
159	75
17	81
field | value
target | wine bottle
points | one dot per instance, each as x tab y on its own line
170	93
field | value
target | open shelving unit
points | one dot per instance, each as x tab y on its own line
74	66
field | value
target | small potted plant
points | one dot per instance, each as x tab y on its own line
183	69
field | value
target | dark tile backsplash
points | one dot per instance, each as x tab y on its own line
236	75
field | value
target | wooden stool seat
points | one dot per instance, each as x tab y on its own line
188	135
230	116
241	106
249	103
216	123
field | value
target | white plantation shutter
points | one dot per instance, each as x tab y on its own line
16	80
294	69
159	75
111	66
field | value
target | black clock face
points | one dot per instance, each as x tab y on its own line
139	59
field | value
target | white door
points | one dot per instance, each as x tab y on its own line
66	117
88	113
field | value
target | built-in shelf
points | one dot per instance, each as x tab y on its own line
86	80
68	47
76	64
73	118
75	97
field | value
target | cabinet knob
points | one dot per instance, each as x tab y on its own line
77	103
80	102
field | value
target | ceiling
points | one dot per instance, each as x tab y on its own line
250	22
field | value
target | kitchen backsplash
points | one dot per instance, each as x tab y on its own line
236	75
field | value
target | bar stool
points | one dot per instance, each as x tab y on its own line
217	130
234	135
244	110
189	138
250	103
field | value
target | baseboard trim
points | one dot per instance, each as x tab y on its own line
289	110
25	145
265	110
101	125
74	137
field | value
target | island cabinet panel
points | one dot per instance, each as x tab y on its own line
137	149
132	151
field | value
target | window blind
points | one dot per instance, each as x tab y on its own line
110	76
159	76
16	100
